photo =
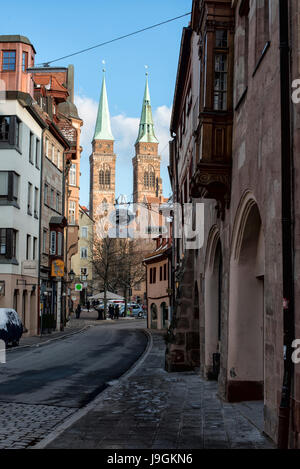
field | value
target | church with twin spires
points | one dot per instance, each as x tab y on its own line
147	183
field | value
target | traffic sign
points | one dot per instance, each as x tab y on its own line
78	287
58	268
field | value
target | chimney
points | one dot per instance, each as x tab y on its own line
71	82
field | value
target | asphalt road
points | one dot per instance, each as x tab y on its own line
71	372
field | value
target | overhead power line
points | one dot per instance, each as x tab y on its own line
114	40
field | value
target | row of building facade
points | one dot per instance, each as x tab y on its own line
39	186
235	144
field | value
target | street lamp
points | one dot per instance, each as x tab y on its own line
71	276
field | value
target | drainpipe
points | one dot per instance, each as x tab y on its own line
175	243
40	317
287	227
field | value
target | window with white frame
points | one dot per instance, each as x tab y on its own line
83	274
84	253
57	202
72	178
37	154
34	249
36	202
220	84
47	147
84	232
52	198
53	243
31	147
46	194
29	199
45	232
59	162
53	154
72	212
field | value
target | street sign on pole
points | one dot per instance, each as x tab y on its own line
78	287
57	269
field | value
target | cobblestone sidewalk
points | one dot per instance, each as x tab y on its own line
23	425
152	409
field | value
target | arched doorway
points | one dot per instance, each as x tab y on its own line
164	314
245	375
153	310
213	307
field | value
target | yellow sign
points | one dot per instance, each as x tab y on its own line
58	268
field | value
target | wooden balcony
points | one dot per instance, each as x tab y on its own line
212	176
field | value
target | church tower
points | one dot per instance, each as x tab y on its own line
146	163
103	158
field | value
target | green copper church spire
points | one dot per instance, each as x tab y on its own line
146	130
103	128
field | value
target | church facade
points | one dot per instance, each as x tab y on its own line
147	183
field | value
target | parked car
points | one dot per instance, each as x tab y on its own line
136	310
11	327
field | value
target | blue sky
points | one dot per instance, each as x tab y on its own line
58	28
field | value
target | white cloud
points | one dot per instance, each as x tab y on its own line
124	128
125	131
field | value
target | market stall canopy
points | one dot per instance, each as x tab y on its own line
109	296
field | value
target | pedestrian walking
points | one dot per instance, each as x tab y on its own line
117	312
100	313
88	305
111	311
78	311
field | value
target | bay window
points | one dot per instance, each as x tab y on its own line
10	132
9	188
8	238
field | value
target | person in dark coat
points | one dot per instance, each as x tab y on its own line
88	305
100	313
116	312
111	311
78	311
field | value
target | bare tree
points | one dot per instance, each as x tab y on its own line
130	269
105	253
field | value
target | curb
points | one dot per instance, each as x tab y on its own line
85	410
49	341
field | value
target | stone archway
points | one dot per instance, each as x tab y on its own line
245	371
213	305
